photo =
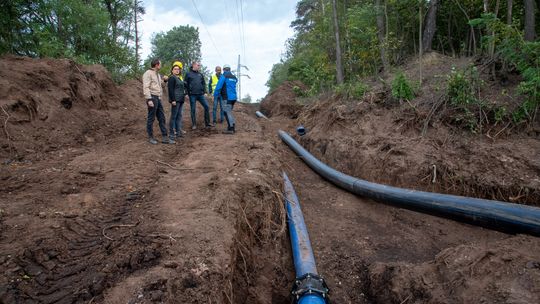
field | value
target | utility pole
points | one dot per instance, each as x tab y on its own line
239	80
239	76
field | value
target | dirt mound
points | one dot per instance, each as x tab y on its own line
282	101
382	140
499	272
47	104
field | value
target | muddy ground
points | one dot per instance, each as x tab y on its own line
91	213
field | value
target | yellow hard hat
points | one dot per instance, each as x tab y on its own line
179	64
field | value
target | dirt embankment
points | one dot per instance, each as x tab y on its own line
405	144
282	101
48	104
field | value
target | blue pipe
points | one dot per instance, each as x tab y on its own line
304	261
508	217
260	115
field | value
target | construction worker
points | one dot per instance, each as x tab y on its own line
152	90
212	83
176	91
196	87
226	87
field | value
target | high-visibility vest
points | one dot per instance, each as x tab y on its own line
215	80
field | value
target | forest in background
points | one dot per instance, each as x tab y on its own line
103	32
339	42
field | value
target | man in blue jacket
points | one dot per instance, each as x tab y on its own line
195	87
226	88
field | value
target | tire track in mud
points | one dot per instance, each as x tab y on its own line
74	243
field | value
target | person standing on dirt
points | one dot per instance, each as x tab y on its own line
212	83
177	93
226	87
152	91
195	86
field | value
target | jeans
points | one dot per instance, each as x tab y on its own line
153	112
217	100
204	103
175	123
227	109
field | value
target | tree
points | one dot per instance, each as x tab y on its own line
530	13
180	43
430	25
339	66
381	34
246	99
138	10
88	31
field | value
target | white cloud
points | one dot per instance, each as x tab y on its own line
264	42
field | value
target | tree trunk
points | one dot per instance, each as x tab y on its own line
381	35
530	13
430	25
137	43
339	66
509	12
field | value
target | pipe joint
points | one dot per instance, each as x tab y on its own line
310	284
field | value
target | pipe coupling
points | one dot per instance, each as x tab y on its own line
309	284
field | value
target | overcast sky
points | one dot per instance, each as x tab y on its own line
265	25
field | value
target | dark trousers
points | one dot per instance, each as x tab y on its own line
175	123
153	112
192	103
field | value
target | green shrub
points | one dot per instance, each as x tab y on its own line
402	88
524	55
349	90
463	87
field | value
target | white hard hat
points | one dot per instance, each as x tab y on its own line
226	66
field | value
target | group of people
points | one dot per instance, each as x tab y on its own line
182	86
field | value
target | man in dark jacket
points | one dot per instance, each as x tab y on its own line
226	88
195	87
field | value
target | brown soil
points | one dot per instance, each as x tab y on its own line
382	140
282	101
92	213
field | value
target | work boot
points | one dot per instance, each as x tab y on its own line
171	140
230	130
194	128
167	140
152	140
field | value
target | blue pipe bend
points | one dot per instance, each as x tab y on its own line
508	217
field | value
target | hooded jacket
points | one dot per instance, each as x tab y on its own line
226	86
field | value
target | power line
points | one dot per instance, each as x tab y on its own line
207	31
243	31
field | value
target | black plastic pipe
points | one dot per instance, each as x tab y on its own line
260	114
507	217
